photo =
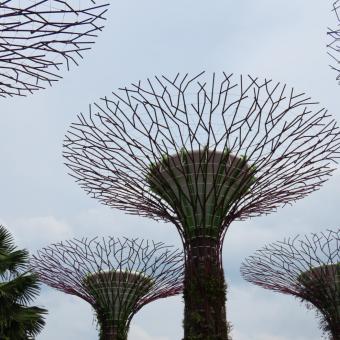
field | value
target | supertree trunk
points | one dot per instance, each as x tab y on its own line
111	331
201	186
335	330
204	293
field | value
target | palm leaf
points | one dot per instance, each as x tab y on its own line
18	287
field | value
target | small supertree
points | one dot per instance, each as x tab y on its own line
116	276
334	45
202	152
37	37
307	267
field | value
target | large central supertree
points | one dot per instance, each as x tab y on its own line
306	267
201	152
116	276
37	37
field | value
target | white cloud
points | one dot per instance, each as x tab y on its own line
37	232
72	318
137	332
68	318
258	314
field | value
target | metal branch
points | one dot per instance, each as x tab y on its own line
334	37
36	38
307	267
288	141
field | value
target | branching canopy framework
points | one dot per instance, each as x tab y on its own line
37	37
287	141
116	276
307	267
334	45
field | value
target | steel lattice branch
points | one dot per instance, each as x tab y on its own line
37	37
289	141
334	36
307	267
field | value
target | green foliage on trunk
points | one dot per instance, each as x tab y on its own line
116	294
205	299
321	287
110	329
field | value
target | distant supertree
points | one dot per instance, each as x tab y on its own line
334	45
116	276
37	37
307	267
201	153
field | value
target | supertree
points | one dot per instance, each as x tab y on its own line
116	276
334	45
37	37
307	267
202	152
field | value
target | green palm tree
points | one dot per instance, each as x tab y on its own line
18	287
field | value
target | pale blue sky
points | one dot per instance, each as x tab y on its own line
40	203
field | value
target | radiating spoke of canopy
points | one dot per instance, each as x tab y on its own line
334	40
286	143
307	267
117	276
38	37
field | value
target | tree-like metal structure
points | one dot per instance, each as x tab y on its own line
202	152
334	45
307	267
37	37
116	276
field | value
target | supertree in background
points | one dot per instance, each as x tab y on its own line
116	276
201	152
334	45
37	37
307	267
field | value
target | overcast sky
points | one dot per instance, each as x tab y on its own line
41	204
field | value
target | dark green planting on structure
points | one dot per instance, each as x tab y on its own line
116	294
205	300
321	286
201	186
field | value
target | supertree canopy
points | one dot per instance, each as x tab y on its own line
334	45
307	267
37	37
202	152
116	276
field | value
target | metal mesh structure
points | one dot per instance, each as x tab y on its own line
307	267
289	141
334	36
38	37
116	276
201	151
